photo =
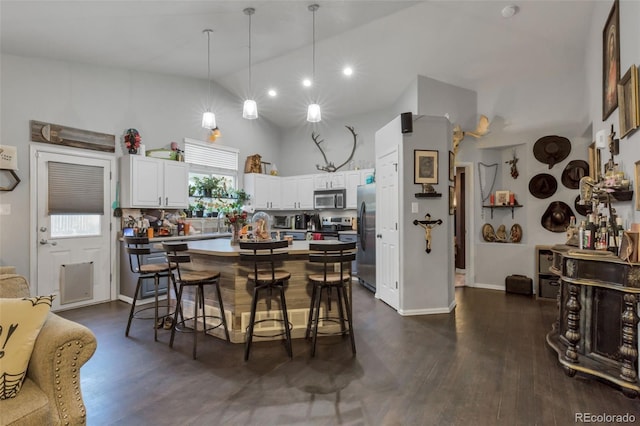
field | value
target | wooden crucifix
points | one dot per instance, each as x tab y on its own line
428	225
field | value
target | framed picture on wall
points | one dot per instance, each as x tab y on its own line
452	166
611	61
594	162
452	200
628	101
425	168
636	183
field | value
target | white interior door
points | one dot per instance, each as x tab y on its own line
387	232
73	252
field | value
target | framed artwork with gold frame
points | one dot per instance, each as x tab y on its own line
636	184
595	165
452	200
611	61
628	101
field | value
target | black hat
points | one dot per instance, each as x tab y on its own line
557	217
543	185
583	209
573	172
551	149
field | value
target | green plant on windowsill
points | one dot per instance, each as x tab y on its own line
235	200
209	187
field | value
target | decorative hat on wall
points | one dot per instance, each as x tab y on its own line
543	185
557	217
551	149
573	172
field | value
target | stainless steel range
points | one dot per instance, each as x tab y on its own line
331	226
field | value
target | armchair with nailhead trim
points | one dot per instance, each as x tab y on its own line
50	395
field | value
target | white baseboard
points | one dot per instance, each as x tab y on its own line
488	286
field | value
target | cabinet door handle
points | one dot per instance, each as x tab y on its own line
159	201
166	201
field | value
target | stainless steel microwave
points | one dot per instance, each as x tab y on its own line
330	199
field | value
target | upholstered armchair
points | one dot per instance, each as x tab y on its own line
50	394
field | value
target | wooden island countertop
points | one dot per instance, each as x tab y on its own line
218	254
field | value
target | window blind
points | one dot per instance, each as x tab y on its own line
211	156
75	189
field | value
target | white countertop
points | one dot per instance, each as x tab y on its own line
223	247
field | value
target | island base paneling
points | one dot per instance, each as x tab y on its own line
237	292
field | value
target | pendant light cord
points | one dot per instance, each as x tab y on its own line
250	79
313	73
208	67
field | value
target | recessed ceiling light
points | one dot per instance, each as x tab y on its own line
306	82
272	93
510	10
347	71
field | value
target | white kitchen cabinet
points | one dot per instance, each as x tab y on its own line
354	178
147	182
329	181
264	191
297	192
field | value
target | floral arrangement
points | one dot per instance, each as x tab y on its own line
236	218
132	140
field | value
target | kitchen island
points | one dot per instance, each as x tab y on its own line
219	254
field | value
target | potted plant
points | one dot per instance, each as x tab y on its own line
199	208
209	187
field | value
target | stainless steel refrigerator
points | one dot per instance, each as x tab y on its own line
366	256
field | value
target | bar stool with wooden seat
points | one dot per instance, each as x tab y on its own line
176	255
266	278
330	253
137	248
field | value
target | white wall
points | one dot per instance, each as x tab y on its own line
108	100
426	277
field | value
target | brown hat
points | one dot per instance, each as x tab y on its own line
543	185
551	149
573	172
557	217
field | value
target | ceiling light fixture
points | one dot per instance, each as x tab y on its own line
313	112
272	93
250	108
208	118
509	11
348	71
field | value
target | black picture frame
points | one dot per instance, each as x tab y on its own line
425	166
611	61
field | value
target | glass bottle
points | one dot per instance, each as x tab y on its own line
581	234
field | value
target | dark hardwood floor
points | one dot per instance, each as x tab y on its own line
485	364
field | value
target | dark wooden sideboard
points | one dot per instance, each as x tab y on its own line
595	332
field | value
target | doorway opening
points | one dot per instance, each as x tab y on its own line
463	225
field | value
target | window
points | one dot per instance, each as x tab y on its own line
76	199
207	160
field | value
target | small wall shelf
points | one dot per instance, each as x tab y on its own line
502	207
428	195
12	185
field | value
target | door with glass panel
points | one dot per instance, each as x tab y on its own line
74	247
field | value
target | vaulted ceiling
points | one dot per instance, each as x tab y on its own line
388	43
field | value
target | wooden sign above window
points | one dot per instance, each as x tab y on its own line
68	136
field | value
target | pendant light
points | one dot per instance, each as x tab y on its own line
250	109
208	118
313	112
